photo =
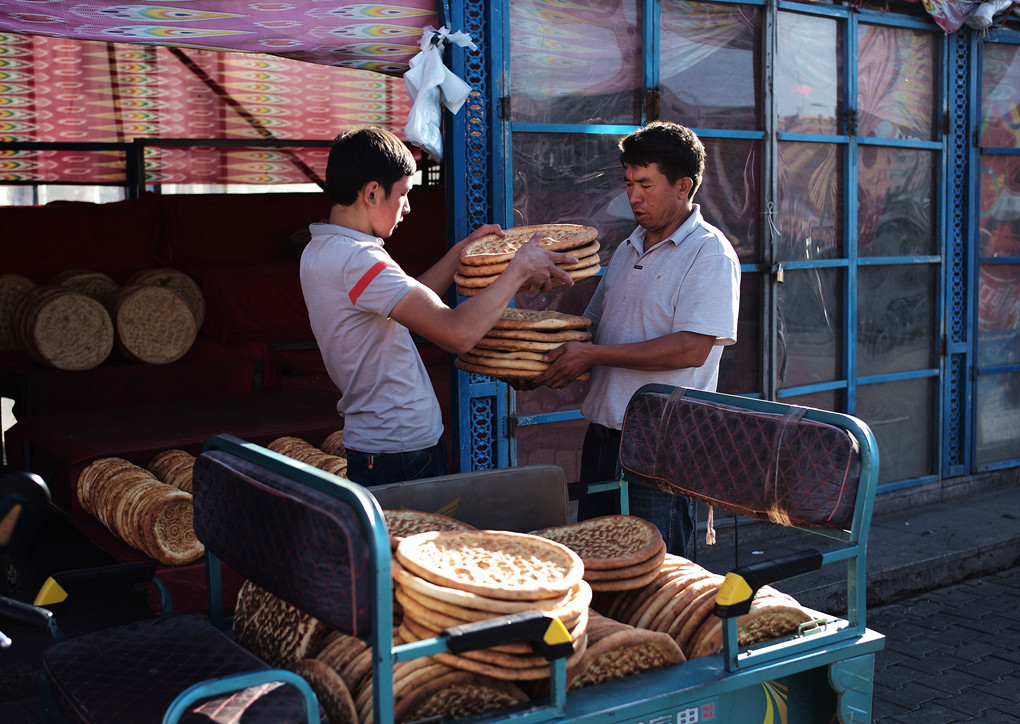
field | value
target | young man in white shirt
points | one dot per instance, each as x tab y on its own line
364	308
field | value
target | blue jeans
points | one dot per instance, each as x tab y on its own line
370	469
673	515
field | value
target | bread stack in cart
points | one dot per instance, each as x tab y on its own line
514	348
628	606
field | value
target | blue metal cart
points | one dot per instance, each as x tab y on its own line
328	553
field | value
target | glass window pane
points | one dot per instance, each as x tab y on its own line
740	367
828	400
1000	205
1000	105
710	62
900	414
554	443
998	314
808	74
998	418
896	318
730	194
810	202
575	178
577	62
895	82
896	201
810	323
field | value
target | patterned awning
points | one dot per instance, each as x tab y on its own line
103	72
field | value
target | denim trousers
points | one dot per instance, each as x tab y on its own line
673	515
370	469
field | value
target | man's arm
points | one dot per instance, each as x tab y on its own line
439	276
670	352
457	330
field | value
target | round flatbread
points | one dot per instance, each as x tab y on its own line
499	373
513	345
505	353
769	618
402	523
578	272
474	281
623	584
689	620
622	653
474	601
610	541
505	362
454	695
638	569
497	564
492	248
540	319
569	613
583	254
533	335
339	649
273	629
665	586
505	373
330	690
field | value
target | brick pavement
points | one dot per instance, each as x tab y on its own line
951	655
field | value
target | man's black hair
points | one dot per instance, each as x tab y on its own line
363	155
675	148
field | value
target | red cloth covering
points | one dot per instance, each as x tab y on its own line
217	229
116	239
207	371
254	303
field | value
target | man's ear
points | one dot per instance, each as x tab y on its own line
371	192
684	185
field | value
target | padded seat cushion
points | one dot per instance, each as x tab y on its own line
89	682
317	540
786	469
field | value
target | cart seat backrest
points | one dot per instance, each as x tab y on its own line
301	544
767	461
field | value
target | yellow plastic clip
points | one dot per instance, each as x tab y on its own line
734	589
556	633
50	593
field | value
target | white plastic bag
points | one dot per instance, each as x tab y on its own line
431	85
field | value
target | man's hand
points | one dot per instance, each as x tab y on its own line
566	363
478	233
540	265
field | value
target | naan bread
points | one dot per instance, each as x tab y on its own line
492	248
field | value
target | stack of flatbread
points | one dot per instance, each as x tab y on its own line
92	284
679	603
514	347
620	552
447	579
486	258
173	467
303	451
13	288
616	650
341	676
143	511
334	444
